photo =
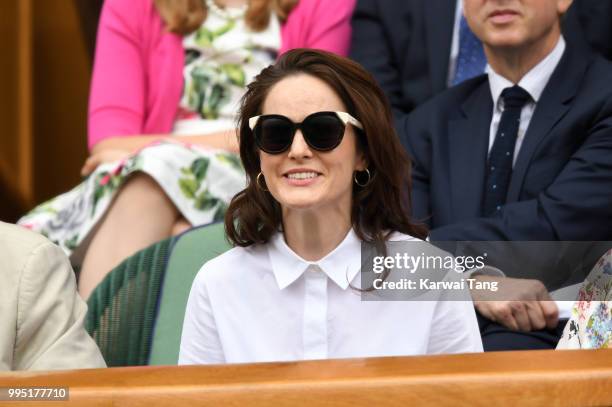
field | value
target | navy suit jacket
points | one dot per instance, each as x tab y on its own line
561	185
406	44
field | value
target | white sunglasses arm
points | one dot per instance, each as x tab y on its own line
347	118
253	122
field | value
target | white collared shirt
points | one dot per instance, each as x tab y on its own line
533	82
265	303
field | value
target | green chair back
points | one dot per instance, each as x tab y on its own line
189	252
122	307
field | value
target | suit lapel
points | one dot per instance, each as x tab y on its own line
468	145
552	106
440	20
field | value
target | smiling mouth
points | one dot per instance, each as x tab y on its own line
302	175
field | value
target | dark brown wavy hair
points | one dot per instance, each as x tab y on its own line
185	16
383	206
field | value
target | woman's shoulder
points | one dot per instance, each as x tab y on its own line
133	17
127	9
397	239
321	8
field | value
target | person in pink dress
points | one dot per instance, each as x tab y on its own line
167	79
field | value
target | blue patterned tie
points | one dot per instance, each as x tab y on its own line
499	168
471	60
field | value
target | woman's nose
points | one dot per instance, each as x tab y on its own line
299	148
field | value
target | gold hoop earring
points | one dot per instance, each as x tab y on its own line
258	183
363	184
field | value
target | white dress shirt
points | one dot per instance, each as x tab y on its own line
265	303
533	82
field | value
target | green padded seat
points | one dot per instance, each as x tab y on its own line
189	252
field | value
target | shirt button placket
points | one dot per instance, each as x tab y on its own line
315	314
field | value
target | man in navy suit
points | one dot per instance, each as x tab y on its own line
411	46
521	153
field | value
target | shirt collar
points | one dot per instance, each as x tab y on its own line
341	265
534	81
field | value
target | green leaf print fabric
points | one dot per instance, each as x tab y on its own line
221	58
200	182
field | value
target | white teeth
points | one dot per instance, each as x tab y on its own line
302	175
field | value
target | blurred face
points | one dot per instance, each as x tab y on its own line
515	23
302	178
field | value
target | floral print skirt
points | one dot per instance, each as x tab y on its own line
590	326
200	182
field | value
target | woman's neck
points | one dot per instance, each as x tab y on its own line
313	234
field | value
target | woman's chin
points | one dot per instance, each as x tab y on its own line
299	196
300	203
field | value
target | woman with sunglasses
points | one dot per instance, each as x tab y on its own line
325	173
167	80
